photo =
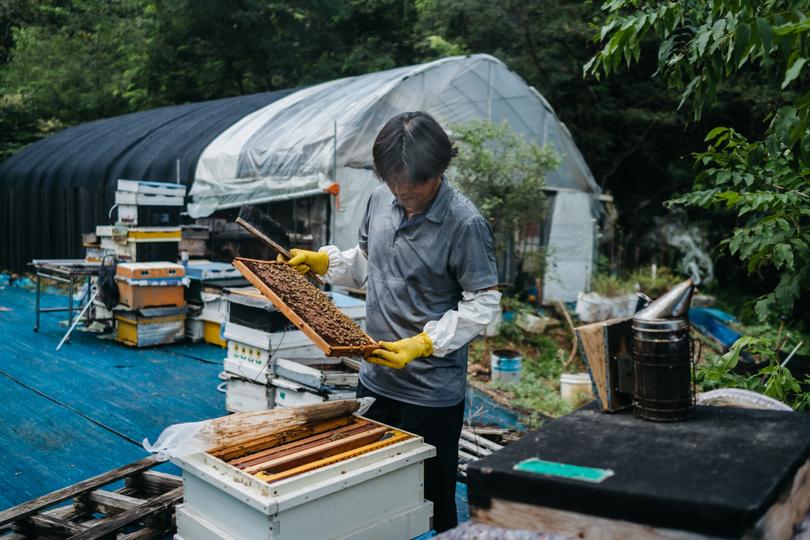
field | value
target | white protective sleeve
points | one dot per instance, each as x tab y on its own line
457	327
346	268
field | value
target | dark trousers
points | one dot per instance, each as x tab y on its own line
440	427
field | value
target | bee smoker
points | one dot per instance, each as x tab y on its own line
644	361
662	358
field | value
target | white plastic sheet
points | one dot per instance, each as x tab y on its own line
302	143
570	247
189	438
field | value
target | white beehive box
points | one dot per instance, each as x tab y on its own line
243	396
377	495
318	372
292	394
248	362
153	188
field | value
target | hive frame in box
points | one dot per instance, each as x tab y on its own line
329	350
360	497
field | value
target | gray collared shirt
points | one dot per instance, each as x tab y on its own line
417	270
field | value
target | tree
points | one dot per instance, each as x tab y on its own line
503	175
765	182
70	63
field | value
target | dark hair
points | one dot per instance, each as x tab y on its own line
411	146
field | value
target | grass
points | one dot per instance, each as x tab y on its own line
538	391
639	279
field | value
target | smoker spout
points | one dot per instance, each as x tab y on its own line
673	304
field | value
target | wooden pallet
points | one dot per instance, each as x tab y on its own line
472	447
144	506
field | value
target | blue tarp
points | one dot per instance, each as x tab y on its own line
712	322
75	413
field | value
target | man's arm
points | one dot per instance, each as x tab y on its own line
457	327
346	268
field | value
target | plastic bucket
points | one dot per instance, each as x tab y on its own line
506	365
576	387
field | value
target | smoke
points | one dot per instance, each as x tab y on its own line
690	243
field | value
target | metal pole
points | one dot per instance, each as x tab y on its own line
178	171
70	304
39	288
66	337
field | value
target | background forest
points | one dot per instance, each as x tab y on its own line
64	62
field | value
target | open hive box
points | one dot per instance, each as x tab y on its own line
307	307
339	477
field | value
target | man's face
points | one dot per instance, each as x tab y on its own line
415	197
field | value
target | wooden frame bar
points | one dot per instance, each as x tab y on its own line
328	349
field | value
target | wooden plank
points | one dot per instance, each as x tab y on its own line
307	445
147	533
319	451
592	350
107	502
780	520
478	450
42	524
476	437
515	515
283	436
398	437
153	482
33	506
300	444
318	431
159	504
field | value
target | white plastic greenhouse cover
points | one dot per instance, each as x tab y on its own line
302	143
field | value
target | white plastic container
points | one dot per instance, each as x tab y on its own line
576	388
506	365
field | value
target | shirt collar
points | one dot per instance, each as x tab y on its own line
437	209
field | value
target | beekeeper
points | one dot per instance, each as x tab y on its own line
427	258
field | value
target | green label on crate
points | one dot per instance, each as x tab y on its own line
563	470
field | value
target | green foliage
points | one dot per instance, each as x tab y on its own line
74	66
701	45
503	174
539	386
772	380
68	61
610	285
640	279
761	185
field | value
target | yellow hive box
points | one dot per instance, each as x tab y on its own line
212	333
139	331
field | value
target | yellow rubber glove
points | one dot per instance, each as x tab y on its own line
303	261
398	353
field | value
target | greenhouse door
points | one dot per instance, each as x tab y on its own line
570	247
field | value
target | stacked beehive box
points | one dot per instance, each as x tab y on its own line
338	476
147	228
152	309
260	338
207	280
